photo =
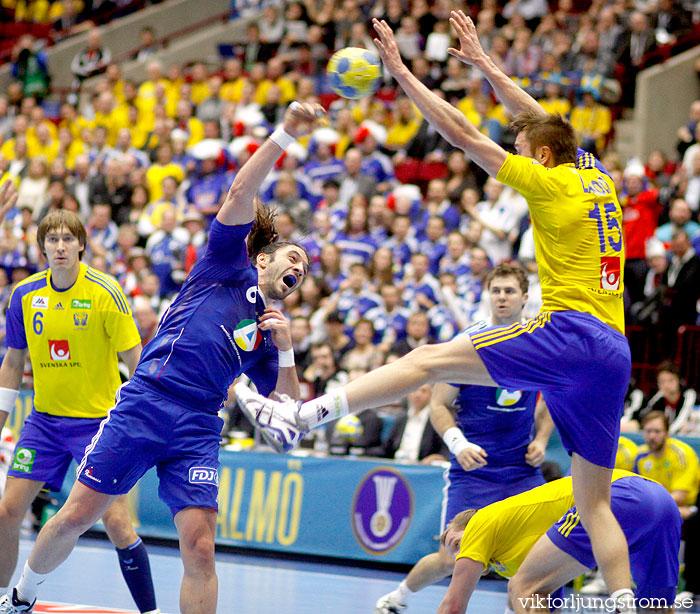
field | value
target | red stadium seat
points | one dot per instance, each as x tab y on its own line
15	29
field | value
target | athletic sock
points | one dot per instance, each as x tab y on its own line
137	573
28	585
328	407
624	601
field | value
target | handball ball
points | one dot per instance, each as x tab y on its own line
349	428
354	72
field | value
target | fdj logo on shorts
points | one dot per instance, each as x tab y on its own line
204	475
24	459
382	510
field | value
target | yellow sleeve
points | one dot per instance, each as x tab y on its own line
118	320
528	177
686	475
478	539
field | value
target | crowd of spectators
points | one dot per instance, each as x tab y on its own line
401	229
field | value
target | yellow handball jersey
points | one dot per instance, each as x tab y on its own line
676	469
501	534
626	453
577	225
73	338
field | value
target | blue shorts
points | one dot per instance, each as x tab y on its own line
651	522
476	489
47	444
582	367
145	429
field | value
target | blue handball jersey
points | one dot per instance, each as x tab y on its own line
500	421
209	335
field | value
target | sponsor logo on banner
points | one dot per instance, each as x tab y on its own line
80	319
381	510
610	272
246	335
204	475
24	459
81	304
40	302
59	349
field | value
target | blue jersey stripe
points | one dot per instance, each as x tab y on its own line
32	279
112	283
106	287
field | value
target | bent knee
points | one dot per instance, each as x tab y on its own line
198	554
73	519
120	531
11	512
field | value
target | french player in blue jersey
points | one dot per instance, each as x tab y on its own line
218	327
497	440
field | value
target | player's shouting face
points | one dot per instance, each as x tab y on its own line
62	249
281	272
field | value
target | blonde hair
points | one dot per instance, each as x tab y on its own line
459	522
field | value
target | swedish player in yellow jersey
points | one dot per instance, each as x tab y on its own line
669	461
73	321
575	351
543	523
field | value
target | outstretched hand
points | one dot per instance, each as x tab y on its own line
301	117
8	198
388	49
471	50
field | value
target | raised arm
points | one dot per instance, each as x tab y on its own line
471	52
445	118
239	206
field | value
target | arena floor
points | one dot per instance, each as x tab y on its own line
247	585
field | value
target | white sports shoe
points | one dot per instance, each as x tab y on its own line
596	586
11	604
278	421
389	605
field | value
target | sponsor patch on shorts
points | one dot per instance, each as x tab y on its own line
204	475
24	460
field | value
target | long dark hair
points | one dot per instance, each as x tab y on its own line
262	238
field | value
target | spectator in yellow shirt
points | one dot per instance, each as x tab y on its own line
592	121
674	464
554	101
43	144
407	120
234	80
275	75
163	167
200	86
189	124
